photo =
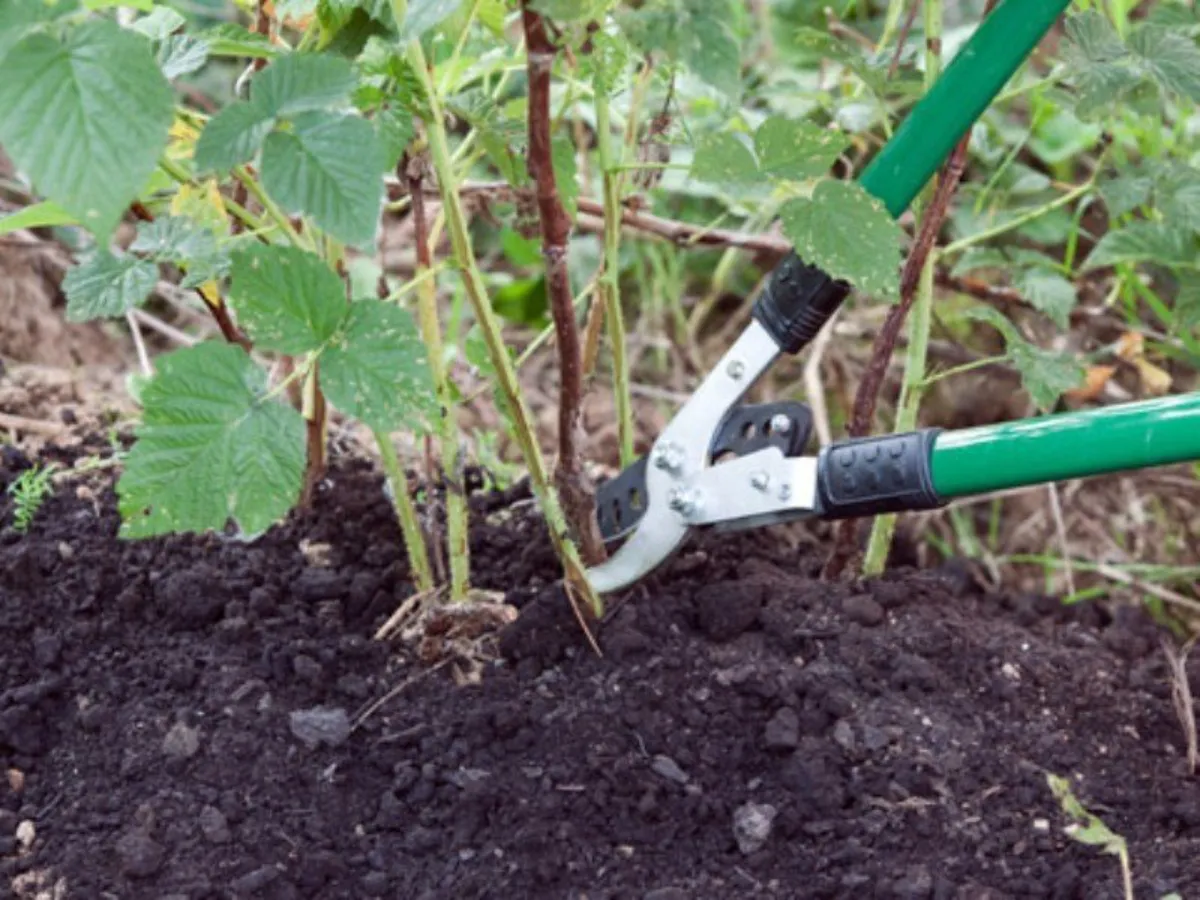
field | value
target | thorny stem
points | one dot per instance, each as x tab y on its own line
919	269
578	496
457	543
521	419
272	209
406	514
608	291
912	391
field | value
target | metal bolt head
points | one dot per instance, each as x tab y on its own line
736	369
780	424
668	457
785	491
760	481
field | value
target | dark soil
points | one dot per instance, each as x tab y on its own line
896	734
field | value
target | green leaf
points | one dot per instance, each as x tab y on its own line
376	369
424	15
1046	374
564	11
1177	190
1099	62
86	115
330	167
849	234
1144	242
182	54
185	244
1126	192
286	299
302	82
159	24
18	17
610	60
173	239
523	302
796	150
827	46
39	215
210	448
234	40
1048	292
723	158
104	286
232	137
698	33
562	160
396	130
1170	59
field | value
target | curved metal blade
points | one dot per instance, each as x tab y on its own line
679	455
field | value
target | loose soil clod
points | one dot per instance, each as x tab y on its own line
748	732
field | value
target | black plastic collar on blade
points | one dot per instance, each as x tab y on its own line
875	475
797	301
750	428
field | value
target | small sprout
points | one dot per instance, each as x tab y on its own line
29	492
1088	828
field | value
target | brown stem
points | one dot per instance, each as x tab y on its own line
684	234
867	396
573	484
315	427
905	29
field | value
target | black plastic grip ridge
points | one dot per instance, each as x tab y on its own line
870	476
796	302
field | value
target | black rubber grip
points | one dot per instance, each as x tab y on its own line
870	476
797	301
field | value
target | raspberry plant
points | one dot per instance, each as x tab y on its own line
252	160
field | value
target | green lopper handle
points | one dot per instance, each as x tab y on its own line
798	299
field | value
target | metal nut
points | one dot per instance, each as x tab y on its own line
736	369
780	424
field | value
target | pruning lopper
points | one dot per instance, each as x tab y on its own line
728	465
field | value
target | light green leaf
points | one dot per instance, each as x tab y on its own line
232	136
104	286
698	33
1047	375
210	448
796	150
424	15
329	167
1172	60
723	158
286	299
182	54
564	11
302	82
39	215
376	369
1048	292
1144	242
849	234
86	115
